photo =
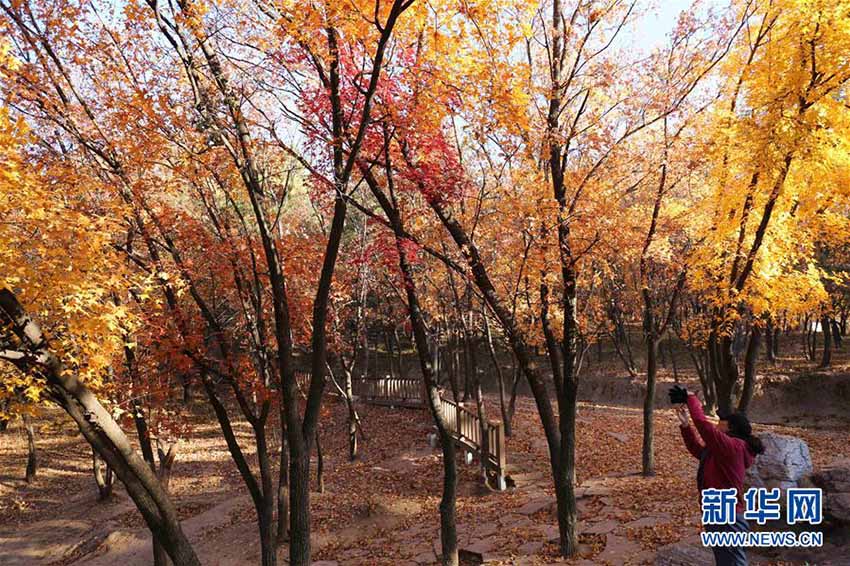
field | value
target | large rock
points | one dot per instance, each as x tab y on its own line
834	480
786	460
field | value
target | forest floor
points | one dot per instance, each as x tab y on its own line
383	508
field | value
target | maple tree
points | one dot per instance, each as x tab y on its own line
230	195
51	253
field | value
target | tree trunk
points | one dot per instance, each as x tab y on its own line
672	354
648	454
299	513
187	389
517	375
627	344
770	350
32	454
388	357
448	521
826	329
811	337
352	418
436	359
625	355
804	328
101	431
166	465
454	358
750	362
776	333
505	407
4	417
261	491
320	465
482	416
265	503
398	354
283	488
565	474
724	371
145	445
103	477
836	333
366	365
468	370
707	382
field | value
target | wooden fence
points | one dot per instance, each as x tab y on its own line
465	427
390	391
463	423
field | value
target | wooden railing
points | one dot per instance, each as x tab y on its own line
390	390
463	423
465	427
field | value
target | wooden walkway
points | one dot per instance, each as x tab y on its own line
396	392
464	423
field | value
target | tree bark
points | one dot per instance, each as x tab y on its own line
826	329
103	477
724	371
283	488
506	407
624	352
320	465
454	370
353	419
750	363
836	333
769	350
482	412
388	354
299	512
399	361
166	466
648	453
4	417
776	333
701	362
32	453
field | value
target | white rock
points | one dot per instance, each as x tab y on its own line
785	461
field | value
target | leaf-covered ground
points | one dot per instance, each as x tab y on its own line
381	509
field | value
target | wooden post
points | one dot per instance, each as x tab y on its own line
501	459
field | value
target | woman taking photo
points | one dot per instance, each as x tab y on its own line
724	451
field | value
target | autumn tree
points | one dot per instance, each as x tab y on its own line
56	254
776	134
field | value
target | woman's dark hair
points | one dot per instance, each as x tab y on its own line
740	427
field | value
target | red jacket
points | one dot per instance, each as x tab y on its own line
726	458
